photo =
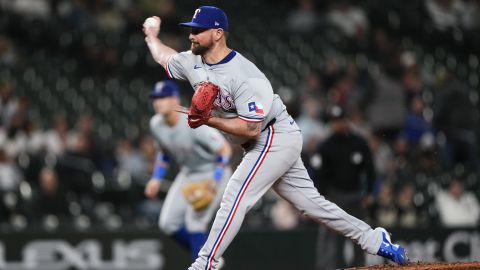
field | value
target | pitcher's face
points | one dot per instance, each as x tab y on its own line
202	40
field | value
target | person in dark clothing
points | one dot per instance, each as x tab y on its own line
345	174
49	199
346	164
456	116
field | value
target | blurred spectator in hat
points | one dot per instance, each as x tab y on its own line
457	207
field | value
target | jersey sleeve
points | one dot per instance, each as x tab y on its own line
209	138
155	122
253	100
177	65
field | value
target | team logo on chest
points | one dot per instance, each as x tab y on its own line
224	100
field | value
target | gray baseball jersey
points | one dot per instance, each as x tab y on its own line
235	75
195	151
270	161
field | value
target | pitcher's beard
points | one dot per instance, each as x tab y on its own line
198	49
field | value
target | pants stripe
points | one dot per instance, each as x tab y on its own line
240	194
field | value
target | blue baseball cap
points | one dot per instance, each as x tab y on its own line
208	17
163	89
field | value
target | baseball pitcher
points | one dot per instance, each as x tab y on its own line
248	112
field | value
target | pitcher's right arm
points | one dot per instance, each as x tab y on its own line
160	52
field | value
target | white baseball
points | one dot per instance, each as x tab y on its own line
151	22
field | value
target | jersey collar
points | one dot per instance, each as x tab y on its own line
224	60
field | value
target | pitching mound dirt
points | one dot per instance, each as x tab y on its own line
424	266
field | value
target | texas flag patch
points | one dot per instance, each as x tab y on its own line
254	107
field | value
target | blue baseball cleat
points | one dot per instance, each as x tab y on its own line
393	252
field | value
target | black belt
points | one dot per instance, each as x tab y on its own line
249	143
269	124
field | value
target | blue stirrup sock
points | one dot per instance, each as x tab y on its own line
196	243
182	237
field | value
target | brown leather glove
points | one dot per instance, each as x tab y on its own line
199	194
202	104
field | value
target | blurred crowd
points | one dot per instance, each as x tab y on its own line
392	88
67	174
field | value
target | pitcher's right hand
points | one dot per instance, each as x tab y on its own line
151	26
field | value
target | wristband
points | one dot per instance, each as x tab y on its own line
160	168
159	173
218	173
221	162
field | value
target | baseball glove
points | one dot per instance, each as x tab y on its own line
199	194
202	104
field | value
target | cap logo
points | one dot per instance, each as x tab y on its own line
159	87
196	12
216	23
